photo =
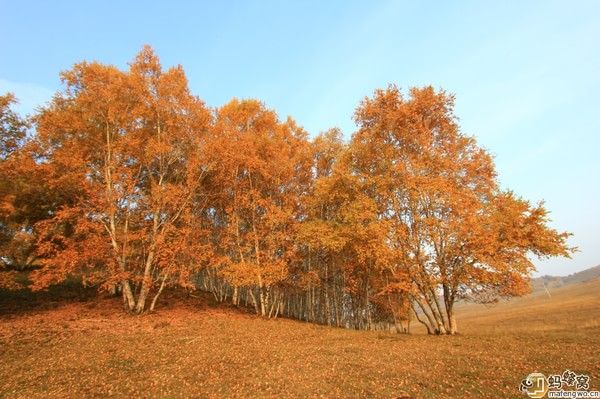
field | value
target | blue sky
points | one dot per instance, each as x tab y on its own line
526	74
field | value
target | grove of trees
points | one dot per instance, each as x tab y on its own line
127	181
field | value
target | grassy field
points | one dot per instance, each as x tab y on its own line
88	348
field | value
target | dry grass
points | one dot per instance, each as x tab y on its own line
91	349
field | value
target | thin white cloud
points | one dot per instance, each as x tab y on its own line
29	95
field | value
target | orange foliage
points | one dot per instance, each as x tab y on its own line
454	231
132	183
132	141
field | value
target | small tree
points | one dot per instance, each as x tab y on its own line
14	242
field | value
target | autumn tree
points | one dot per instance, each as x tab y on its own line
28	190
14	239
258	184
130	182
131	142
455	233
13	127
345	250
319	292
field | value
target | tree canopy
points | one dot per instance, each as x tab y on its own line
130	182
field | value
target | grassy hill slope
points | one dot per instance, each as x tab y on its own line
91	349
552	282
570	307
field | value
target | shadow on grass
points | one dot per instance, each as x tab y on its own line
25	301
